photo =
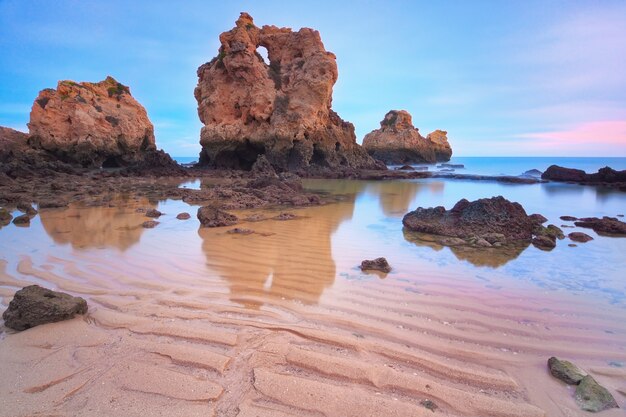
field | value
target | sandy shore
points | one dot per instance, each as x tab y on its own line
260	325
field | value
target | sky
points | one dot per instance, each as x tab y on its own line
504	78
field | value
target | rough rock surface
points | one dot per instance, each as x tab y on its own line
214	217
91	124
378	264
604	175
399	142
34	305
491	219
565	371
281	110
591	396
605	225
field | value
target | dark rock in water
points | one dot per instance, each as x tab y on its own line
544	242
22	220
378	264
5	217
450	166
605	225
149	224
27	209
183	216
446	170
240	231
34	305
604	175
214	217
552	231
591	396
406	168
568	218
565	371
557	173
474	219
285	216
620	215
580	237
153	213
572	245
538	218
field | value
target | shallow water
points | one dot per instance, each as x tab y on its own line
266	319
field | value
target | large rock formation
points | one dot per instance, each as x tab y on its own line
399	142
91	124
604	175
281	109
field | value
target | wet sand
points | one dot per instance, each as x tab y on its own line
186	321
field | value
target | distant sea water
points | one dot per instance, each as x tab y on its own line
518	165
489	165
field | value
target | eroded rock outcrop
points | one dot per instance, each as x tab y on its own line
484	223
399	142
93	125
281	109
604	175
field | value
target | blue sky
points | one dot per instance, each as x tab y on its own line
502	77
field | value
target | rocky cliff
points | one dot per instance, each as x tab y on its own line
280	108
91	124
399	142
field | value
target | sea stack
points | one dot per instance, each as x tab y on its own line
399	142
91	124
280	109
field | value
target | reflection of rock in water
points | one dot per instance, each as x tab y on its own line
95	227
291	259
492	257
396	196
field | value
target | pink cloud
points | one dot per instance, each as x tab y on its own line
590	133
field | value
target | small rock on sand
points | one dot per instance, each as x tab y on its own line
591	396
35	305
378	264
565	371
183	216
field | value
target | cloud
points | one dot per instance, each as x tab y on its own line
609	136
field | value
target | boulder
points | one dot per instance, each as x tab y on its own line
399	142
149	224
579	237
474	220
280	109
34	305
214	217
565	371
93	125
183	216
605	225
153	213
604	175
378	264
22	220
5	217
591	396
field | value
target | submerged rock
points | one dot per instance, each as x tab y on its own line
281	109
22	220
214	217
34	305
579	237
153	213
591	396
565	371
183	216
378	264
399	142
568	218
605	225
149	224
